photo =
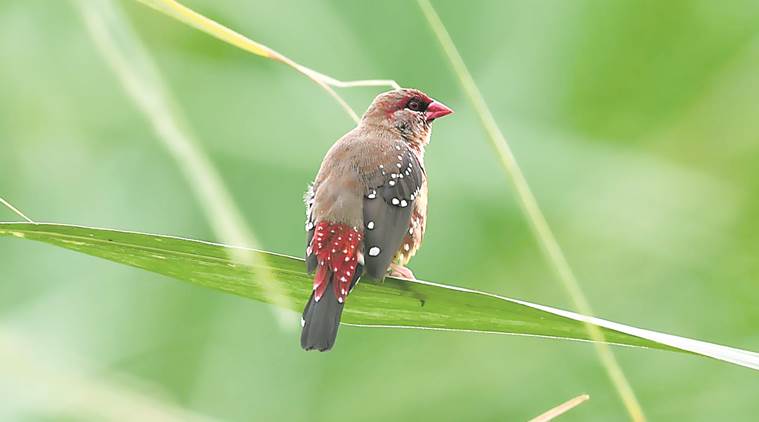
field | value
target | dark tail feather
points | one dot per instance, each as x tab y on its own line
320	321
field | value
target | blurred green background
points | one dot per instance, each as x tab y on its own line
635	122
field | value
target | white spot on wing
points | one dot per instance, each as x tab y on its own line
374	251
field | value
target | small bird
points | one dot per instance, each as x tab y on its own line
366	210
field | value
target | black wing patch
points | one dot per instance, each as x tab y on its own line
388	204
309	200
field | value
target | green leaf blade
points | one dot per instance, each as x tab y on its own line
393	303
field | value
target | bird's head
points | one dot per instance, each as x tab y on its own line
407	111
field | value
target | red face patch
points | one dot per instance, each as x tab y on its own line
403	103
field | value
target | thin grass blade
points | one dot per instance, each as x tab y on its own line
143	83
526	199
561	409
190	17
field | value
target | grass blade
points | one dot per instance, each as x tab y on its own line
532	211
561	409
144	85
190	17
394	303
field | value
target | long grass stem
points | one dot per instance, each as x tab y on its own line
561	409
531	209
143	83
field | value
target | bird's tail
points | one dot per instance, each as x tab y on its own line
320	322
334	252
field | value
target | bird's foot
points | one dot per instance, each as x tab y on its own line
399	271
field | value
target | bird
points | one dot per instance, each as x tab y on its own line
367	206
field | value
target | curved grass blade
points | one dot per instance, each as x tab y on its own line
394	303
192	18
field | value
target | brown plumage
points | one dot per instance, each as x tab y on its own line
366	209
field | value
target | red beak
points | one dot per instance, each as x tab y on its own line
436	109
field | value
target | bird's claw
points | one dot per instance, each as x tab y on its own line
399	271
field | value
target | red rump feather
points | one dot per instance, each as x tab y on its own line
336	248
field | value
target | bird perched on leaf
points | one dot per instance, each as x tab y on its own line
366	209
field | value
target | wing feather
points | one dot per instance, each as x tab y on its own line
392	189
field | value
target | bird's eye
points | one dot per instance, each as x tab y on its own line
414	105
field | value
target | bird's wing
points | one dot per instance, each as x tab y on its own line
393	184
